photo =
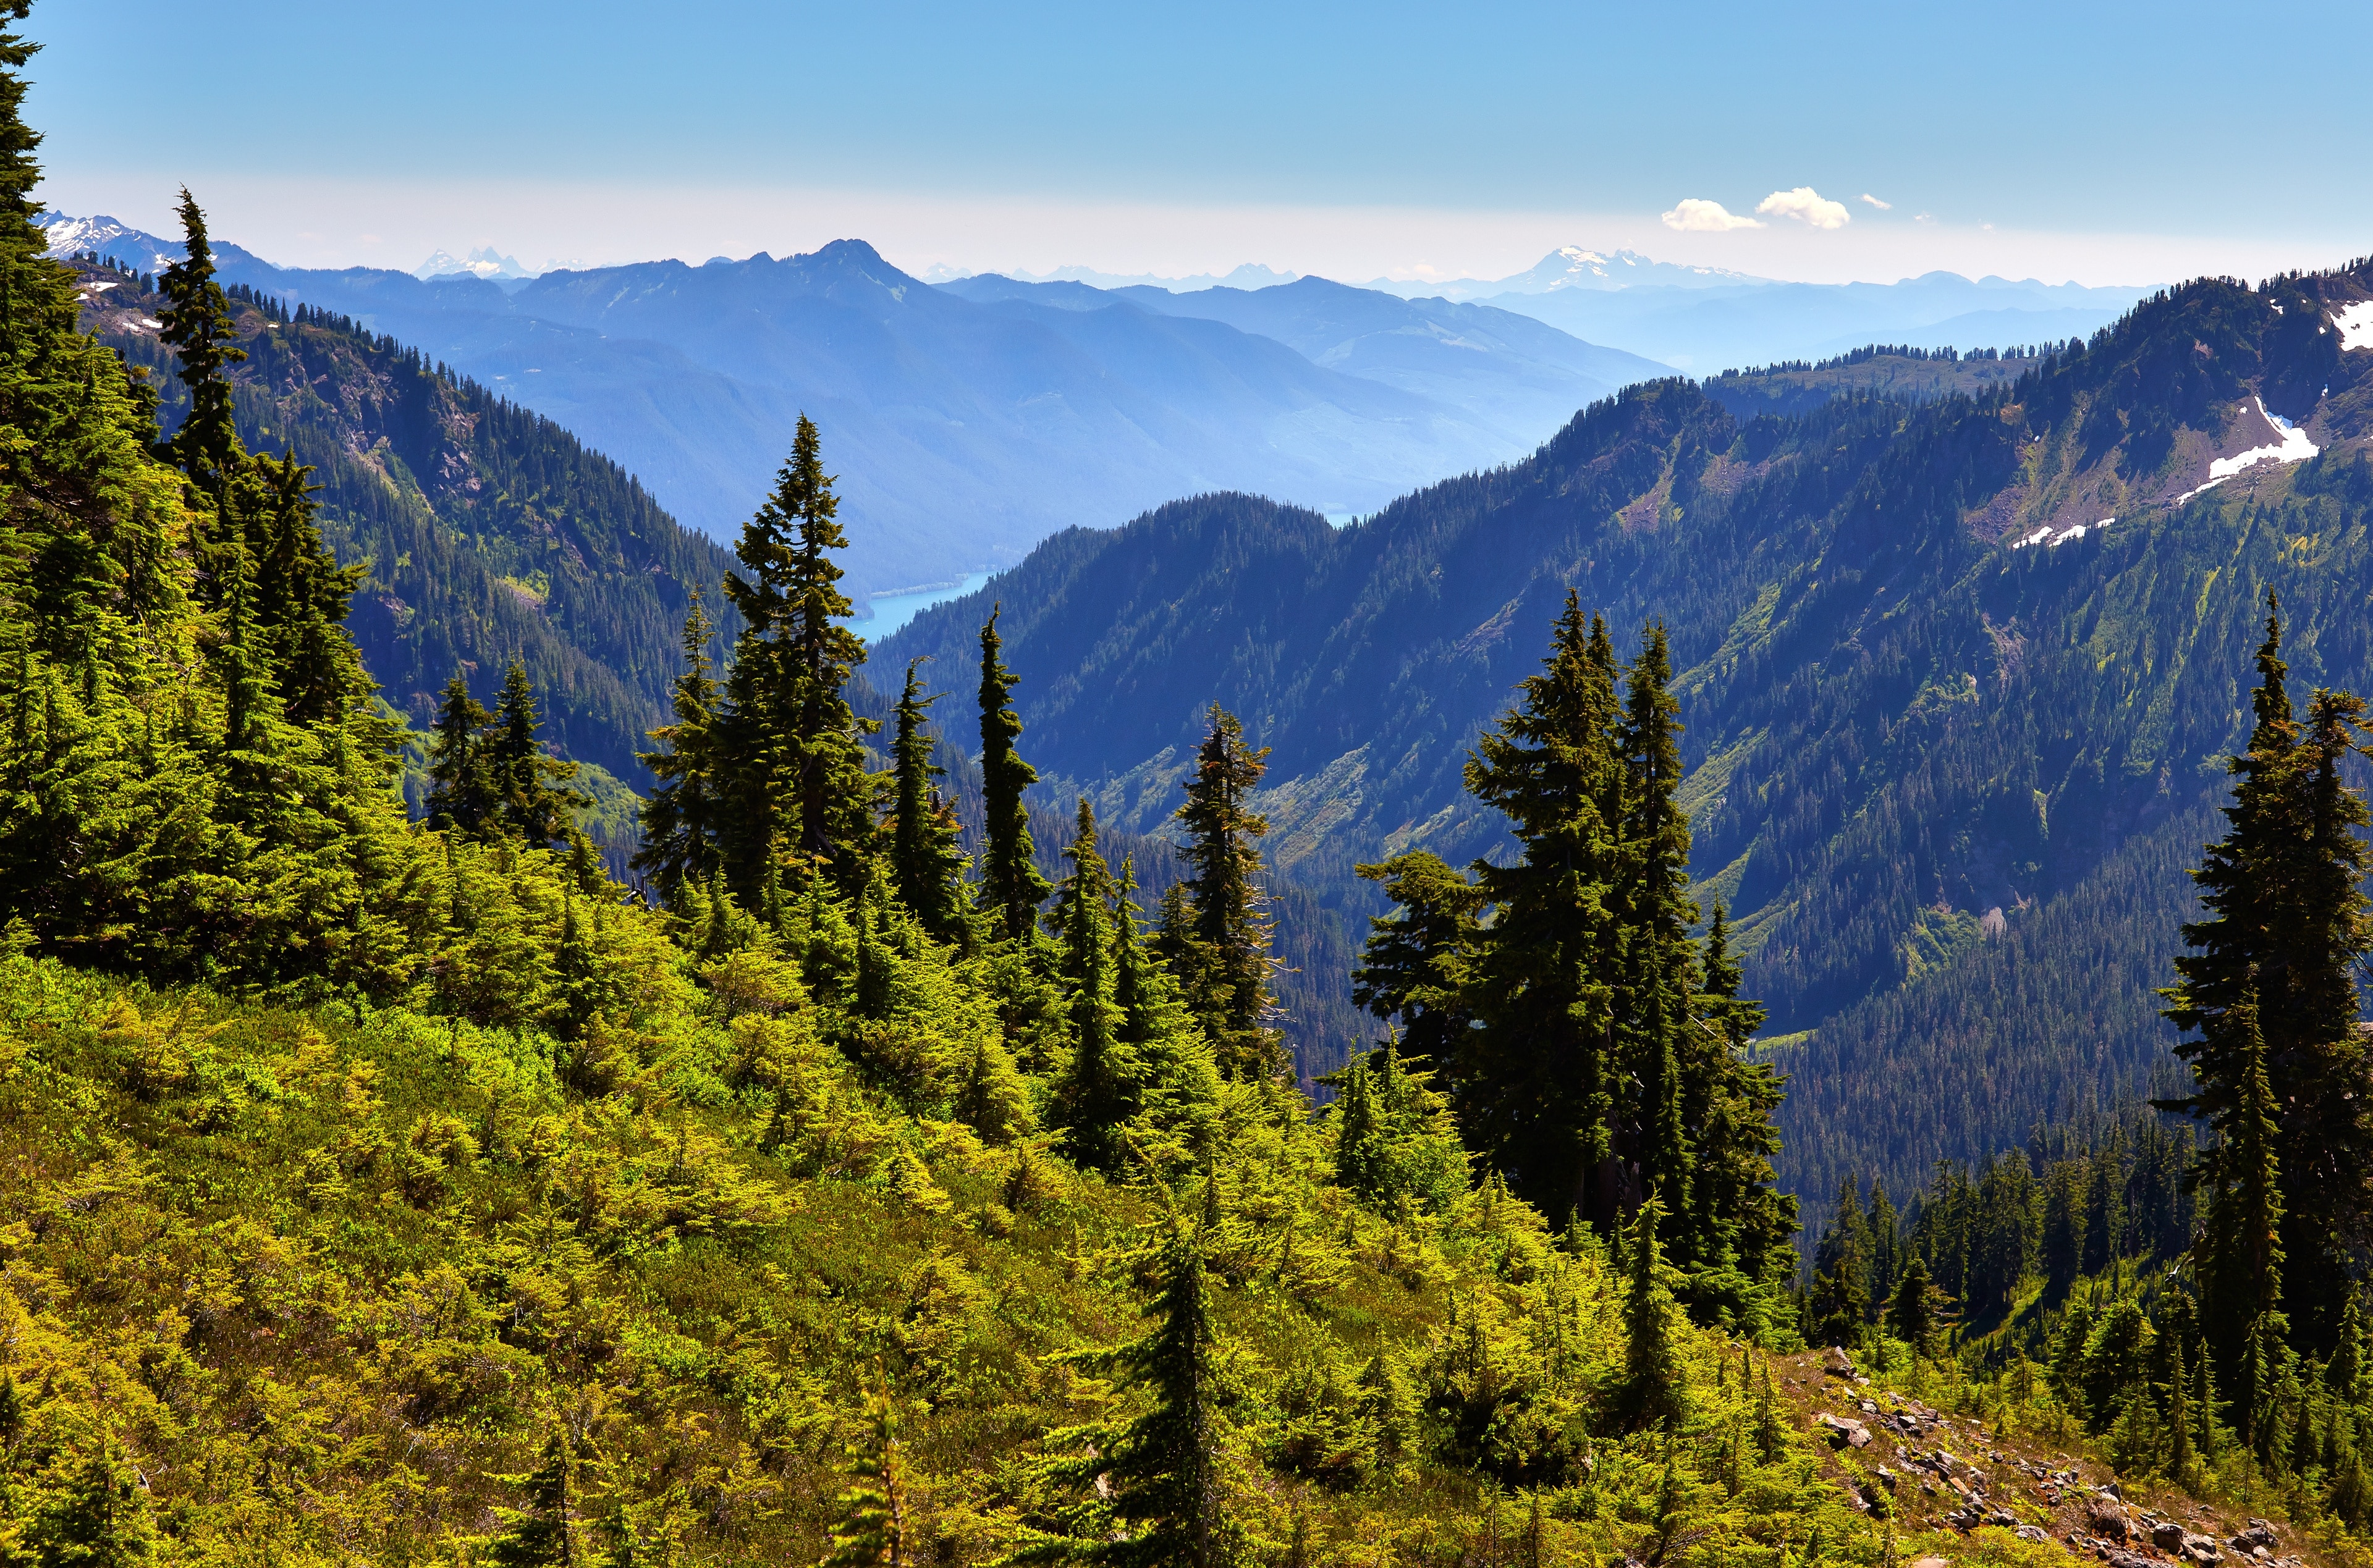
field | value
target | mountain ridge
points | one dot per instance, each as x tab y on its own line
1902	717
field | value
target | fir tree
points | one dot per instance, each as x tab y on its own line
1161	1470
462	795
1099	1092
1415	967
543	1533
1226	968
1911	1311
2241	1250
832	789
1652	1367
1363	1156
925	862
873	1531
1011	887
1535	1088
528	785
195	323
680	818
2183	1457
2285	922
793	746
97	1518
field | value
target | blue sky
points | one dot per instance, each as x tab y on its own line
2110	144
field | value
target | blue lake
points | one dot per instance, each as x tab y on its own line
894	610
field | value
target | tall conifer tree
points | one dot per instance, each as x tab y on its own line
793	744
461	795
1535	1088
680	816
1224	959
925	861
1100	1090
1013	887
2285	924
197	324
1167	1505
531	787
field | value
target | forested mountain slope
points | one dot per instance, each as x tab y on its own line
489	532
1920	746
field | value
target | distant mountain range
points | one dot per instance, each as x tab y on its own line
965	429
1508	374
1708	319
972	419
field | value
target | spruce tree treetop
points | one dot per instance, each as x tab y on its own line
1013	887
1101	1089
1416	964
530	784
197	324
925	860
680	825
1227	984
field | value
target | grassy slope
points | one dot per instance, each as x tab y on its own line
330	1279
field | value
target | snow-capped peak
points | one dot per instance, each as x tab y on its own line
485	262
1575	266
69	236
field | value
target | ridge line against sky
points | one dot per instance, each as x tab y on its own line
1854	143
297	225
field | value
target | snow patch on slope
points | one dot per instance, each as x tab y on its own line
2052	539
2355	324
2294	447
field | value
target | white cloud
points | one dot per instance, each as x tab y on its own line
1806	205
1882	207
1694	215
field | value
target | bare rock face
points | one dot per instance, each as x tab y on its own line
2258	1534
1844	1432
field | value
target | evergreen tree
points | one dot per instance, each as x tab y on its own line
195	323
1011	887
1161	1471
680	816
1099	1092
834	791
97	1518
1363	1154
2241	1249
1415	967
543	1533
873	1531
793	744
528	783
1912	1313
1225	967
461	795
2182	1456
925	862
2285	922
1652	1369
1535	1088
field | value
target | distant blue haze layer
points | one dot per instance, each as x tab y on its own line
968	420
